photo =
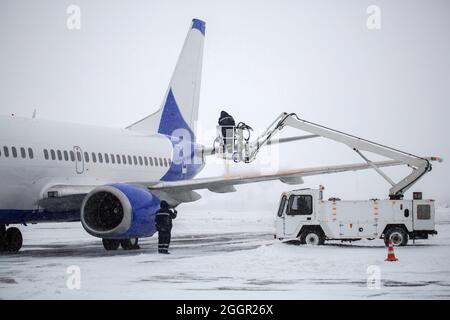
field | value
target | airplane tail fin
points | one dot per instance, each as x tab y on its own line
179	109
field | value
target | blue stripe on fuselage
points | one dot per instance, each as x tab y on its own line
8	216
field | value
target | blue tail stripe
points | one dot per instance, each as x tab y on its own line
199	25
172	119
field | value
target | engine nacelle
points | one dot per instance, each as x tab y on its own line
119	211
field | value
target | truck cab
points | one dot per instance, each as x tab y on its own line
297	208
304	215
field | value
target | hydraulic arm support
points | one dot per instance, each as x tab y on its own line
419	165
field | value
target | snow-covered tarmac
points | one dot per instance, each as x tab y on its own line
223	255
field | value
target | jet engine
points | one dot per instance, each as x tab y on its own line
119	211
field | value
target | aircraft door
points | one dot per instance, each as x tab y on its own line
79	161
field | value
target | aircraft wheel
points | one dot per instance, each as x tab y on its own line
111	244
2	237
130	244
13	240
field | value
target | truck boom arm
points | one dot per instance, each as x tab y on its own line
419	165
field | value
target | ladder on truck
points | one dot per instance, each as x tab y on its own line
238	147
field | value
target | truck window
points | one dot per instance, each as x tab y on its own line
281	209
300	205
423	212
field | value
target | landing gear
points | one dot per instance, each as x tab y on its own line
126	244
111	244
10	239
130	244
2	237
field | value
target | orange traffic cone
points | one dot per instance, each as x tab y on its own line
391	254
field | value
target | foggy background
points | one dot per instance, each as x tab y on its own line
315	58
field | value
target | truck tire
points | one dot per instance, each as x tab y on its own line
398	236
312	238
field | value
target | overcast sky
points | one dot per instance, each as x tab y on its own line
262	57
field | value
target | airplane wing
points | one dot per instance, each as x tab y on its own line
176	192
69	197
216	184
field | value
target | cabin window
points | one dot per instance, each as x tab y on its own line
118	158
146	161
135	160
165	162
129	160
151	161
113	159
58	152
72	156
160	162
78	156
22	152
106	158
300	205
94	158
53	154
156	161
124	159
46	154
140	160
66	155
169	161
6	151
86	157
100	158
14	152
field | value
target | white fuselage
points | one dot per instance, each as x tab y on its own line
24	180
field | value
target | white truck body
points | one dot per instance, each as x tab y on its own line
304	210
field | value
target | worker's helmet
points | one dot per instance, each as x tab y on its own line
164	204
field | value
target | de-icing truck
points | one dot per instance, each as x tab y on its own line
304	214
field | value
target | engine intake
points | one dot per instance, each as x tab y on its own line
119	211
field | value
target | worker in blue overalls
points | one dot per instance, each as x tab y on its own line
163	220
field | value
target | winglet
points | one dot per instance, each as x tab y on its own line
199	25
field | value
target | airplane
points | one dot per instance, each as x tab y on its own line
113	179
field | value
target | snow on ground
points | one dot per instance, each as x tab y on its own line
223	255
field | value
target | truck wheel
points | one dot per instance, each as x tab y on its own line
398	236
111	244
312	238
